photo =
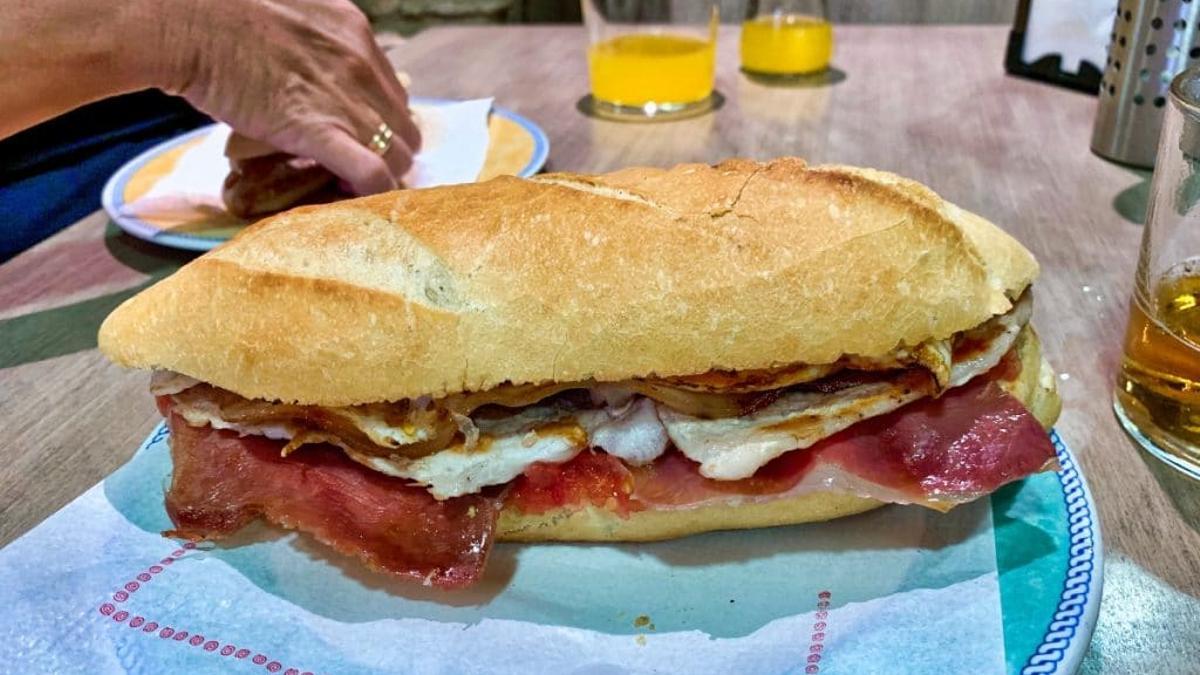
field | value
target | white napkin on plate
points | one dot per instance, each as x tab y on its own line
454	143
96	588
454	146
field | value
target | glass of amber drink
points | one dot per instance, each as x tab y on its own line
650	59
1158	389
786	39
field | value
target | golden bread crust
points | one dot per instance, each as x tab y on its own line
567	277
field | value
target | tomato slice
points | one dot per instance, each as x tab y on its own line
595	478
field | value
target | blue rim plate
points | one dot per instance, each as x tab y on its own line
1050	601
112	197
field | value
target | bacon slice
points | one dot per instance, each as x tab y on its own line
222	482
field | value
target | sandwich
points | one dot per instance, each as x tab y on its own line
634	356
262	181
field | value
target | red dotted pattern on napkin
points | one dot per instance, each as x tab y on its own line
816	643
172	633
215	647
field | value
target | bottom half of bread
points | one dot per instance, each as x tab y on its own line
1034	387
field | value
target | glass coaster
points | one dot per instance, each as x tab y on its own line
588	105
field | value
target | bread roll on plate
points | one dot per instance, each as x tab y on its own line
636	355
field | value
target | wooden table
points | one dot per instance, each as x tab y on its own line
929	102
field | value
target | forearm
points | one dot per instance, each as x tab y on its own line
304	77
56	55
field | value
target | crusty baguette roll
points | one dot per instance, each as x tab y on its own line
1035	387
595	524
568	277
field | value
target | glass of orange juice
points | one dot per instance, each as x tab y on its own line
650	59
787	39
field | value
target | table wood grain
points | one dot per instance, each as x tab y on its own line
932	103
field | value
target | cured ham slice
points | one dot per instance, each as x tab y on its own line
934	452
223	481
731	448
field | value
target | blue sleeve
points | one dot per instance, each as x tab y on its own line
51	175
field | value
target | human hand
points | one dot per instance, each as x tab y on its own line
304	77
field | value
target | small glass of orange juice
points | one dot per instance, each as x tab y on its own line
787	39
652	59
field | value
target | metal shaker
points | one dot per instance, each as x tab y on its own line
1152	41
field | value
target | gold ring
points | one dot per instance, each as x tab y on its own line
382	140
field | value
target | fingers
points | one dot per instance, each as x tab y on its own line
400	118
399	158
339	145
366	172
393	101
240	147
349	154
380	98
391	98
398	155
